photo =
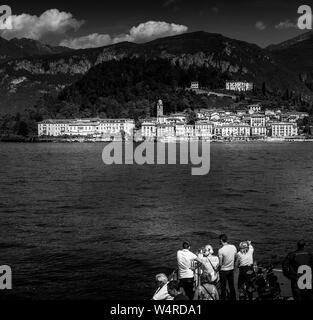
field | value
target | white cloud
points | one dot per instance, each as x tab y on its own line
286	25
143	32
155	29
260	25
91	41
34	27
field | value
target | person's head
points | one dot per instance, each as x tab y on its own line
244	247
186	245
161	279
173	288
223	239
208	250
301	244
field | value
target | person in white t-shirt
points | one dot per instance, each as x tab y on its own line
185	261
227	255
244	260
161	292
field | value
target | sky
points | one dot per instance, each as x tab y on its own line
82	24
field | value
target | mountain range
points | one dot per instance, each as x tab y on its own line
23	48
29	69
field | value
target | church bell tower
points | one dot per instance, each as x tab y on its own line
160	108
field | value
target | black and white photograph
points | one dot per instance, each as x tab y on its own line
156	152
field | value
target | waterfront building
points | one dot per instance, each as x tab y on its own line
232	130
260	131
116	126
189	130
152	129
222	124
203	129
239	86
165	130
53	127
149	129
183	130
85	127
257	120
284	129
180	129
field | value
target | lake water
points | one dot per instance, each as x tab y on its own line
73	228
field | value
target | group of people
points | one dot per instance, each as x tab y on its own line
216	273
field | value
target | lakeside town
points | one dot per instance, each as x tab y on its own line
249	122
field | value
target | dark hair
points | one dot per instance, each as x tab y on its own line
173	285
223	237
186	244
301	244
